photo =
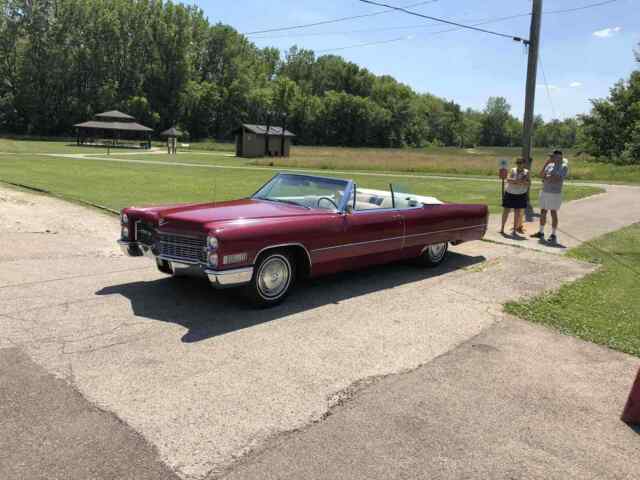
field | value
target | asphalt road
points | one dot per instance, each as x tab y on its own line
201	378
515	402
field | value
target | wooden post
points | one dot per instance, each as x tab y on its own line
284	124
532	73
266	136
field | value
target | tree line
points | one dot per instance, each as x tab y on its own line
62	61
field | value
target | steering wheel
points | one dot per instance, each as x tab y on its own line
328	200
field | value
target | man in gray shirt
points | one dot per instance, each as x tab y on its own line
553	174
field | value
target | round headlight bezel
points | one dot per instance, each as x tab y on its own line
124	218
212	258
125	233
212	243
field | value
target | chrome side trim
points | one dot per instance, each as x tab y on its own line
229	278
374	210
482	225
355	244
293	244
397	238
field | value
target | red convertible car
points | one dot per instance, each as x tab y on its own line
297	226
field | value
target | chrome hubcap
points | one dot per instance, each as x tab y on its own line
274	277
437	251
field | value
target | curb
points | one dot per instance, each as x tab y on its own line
62	197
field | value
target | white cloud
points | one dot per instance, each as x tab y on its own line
575	84
607	32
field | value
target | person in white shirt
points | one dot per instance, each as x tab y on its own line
553	173
515	196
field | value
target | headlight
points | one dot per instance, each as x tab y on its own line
125	218
125	233
212	243
213	259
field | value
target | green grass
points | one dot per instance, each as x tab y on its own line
481	161
603	307
116	185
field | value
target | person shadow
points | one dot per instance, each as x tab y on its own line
206	312
555	244
513	236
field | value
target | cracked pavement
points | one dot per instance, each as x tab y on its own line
202	378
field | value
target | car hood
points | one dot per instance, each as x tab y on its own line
199	217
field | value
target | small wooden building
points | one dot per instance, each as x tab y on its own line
255	141
115	128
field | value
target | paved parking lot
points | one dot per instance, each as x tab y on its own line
201	377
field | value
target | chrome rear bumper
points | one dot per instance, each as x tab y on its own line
217	278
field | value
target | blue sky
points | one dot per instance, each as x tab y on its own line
583	53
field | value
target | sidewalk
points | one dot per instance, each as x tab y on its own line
580	220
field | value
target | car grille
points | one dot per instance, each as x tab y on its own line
182	247
144	233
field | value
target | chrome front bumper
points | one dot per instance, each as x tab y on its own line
217	278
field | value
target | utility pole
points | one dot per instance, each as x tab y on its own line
532	73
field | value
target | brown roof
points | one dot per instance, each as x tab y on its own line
262	129
114	114
128	126
171	132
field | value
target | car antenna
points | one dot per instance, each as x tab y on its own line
215	189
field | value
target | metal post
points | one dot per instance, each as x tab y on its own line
532	73
266	135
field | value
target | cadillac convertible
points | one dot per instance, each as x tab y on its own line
297	226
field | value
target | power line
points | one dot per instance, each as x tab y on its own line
546	84
404	27
334	20
368	44
584	7
400	39
385	29
449	22
439	32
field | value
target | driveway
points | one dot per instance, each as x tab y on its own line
203	379
580	220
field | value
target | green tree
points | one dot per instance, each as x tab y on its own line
494	130
611	130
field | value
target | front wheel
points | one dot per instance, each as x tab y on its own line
164	266
434	255
272	279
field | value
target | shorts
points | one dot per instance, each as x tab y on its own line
512	200
550	201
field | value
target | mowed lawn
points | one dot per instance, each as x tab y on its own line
603	307
155	179
482	161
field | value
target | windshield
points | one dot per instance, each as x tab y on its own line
305	191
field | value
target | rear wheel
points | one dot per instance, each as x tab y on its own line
434	255
272	280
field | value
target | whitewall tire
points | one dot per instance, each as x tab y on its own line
434	255
273	277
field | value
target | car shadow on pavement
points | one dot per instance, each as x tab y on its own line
206	312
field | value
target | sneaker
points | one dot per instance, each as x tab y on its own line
538	235
553	238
